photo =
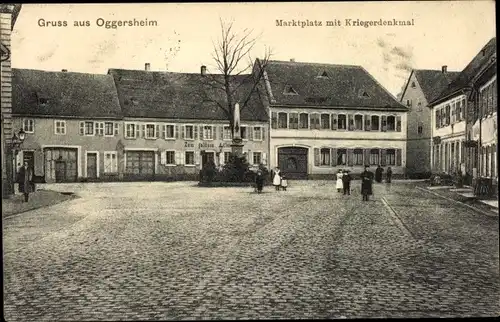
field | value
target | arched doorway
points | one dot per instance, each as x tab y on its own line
292	161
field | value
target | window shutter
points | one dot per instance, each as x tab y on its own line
157	131
201	132
197	157
334	122
351	122
176	131
178	157
350	161
316	156
116	125
182	128
143	130
163	157
163	131
137	132
333	157
263	133
195	132
384	123
250	157
274	120
82	128
398	123
264	158
221	158
221	132
398	157
96	124
368	125
367	156
250	132
383	153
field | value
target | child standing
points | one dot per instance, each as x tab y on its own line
284	182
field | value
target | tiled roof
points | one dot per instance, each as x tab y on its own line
433	82
179	96
66	94
463	79
326	85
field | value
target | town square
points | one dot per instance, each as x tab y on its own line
240	161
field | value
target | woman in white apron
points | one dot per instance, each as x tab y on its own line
340	185
277	179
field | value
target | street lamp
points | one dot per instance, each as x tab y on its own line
18	140
13	149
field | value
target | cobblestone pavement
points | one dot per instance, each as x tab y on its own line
158	251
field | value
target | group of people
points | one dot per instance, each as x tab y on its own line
279	180
344	181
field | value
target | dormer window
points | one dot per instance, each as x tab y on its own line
289	90
134	101
324	74
364	94
43	101
413	85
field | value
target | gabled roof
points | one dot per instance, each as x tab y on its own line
68	94
13	8
179	95
463	79
343	86
433	82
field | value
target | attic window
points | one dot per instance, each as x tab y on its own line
363	93
134	101
413	85
43	101
289	90
324	74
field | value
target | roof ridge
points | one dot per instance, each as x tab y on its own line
314	63
58	71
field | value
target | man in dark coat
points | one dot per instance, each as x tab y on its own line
378	174
366	183
25	180
346	182
259	181
388	175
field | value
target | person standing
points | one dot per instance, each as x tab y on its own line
25	180
277	179
284	182
378	174
346	182
388	175
259	181
366	184
339	185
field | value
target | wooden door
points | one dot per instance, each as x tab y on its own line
91	165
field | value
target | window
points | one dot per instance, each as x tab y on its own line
189	132
29	125
99	128
413	85
409	103
257	133
208	132
170	157
358	122
438	119
227	156
110	162
226	135
189	157
294	121
374	157
375	123
244	133
391	123
341	156
342	122
350	119
89	128
325	121
453	112
109	128
61	127
150	131
170	131
358	156
304	120
325	157
390	157
315	121
289	90
282	120
419	106
130	130
257	157
420	128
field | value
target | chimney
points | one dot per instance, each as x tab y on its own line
444	69
147	66
292	60
64	70
203	70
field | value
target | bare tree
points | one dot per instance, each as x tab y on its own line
236	78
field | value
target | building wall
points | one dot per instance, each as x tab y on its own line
335	139
445	155
418	155
6	99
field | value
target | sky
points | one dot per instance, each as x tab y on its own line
444	33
